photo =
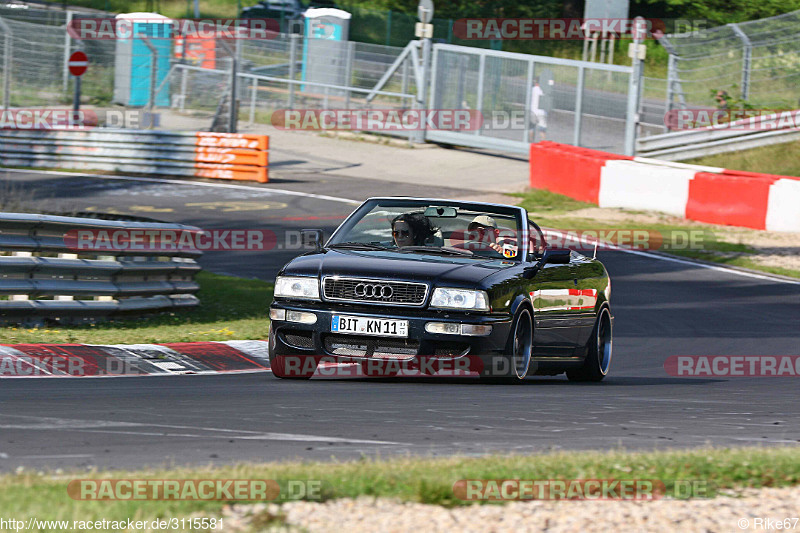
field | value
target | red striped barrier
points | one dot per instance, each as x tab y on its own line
568	170
715	196
729	200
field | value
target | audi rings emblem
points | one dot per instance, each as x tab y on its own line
373	290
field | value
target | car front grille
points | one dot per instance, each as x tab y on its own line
362	346
299	339
374	291
451	349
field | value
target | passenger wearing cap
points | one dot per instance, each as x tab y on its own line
484	229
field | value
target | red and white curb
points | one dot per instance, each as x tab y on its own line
91	360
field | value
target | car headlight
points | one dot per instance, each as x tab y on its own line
460	299
294	287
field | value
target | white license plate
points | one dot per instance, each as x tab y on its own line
359	325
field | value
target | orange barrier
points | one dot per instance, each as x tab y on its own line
231	172
237	156
734	199
233	156
568	170
232	140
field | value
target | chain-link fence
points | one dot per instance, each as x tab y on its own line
756	61
190	84
579	103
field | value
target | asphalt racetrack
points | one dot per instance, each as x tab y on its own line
662	308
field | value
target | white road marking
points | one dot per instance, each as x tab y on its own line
3	456
192	184
95	426
66	456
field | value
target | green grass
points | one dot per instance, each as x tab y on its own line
552	210
548	203
778	159
230	309
424	480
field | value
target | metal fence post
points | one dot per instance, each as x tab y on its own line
184	81
632	114
348	69
67	49
253	92
670	82
404	86
389	28
234	108
576	134
151	104
293	38
747	55
481	75
7	52
528	94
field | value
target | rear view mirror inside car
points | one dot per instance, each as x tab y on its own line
441	212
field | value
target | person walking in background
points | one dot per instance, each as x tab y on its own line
538	115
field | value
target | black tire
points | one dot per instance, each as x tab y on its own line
598	355
518	353
293	366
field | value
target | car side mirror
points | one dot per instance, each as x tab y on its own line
556	256
315	237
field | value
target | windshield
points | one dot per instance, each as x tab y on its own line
449	228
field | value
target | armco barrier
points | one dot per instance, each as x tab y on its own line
198	154
42	277
705	194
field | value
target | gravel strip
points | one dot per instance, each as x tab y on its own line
721	514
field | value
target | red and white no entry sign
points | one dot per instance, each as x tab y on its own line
77	63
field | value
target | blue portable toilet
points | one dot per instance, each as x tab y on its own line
325	48
133	59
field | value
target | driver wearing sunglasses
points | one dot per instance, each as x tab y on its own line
412	229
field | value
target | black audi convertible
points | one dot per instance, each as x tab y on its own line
434	285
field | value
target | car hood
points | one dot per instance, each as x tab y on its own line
396	266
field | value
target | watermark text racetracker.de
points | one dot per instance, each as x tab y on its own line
495	490
527	29
57	119
262	240
732	119
733	365
227	490
90	29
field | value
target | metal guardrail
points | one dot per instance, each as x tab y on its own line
41	276
688	144
200	154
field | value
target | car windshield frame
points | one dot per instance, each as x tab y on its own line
518	213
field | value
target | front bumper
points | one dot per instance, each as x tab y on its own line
291	338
